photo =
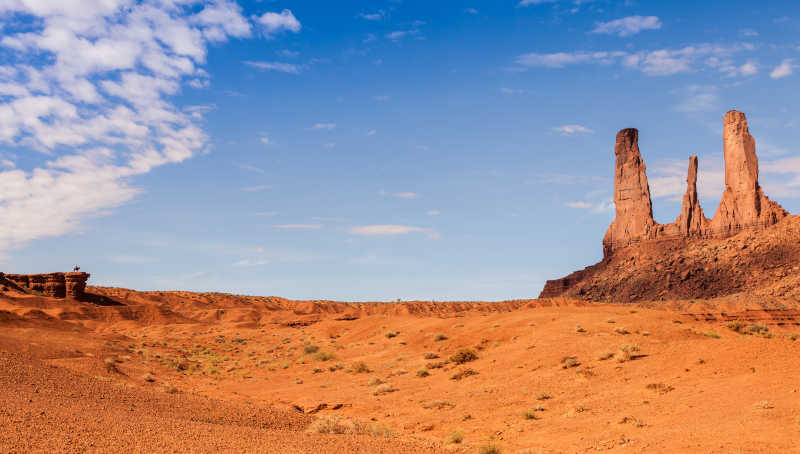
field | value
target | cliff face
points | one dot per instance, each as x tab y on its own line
55	285
743	206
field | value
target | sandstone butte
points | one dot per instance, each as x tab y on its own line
743	207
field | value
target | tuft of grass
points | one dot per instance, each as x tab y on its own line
332	425
764	405
531	414
391	334
335	367
431	355
310	349
621	330
455	437
712	335
423	373
602	356
462	356
463	374
323	356
169	389
627	352
569	361
361	368
490	448
439	337
437	404
434	365
579	329
543	396
385	388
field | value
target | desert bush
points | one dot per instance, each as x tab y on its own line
621	330
543	396
440	337
375	381
169	389
437	404
569	361
323	356
736	325
423	373
712	335
602	356
431	355
463	374
391	334
579	329
764	405
660	388
361	368
531	414
385	388
490	448
435	365
626	352
464	355
332	425
309	349
317	370
455	437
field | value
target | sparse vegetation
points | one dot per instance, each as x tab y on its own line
569	361
324	356
361	368
437	404
464	355
439	337
660	388
621	330
602	356
431	355
310	349
543	396
385	388
627	352
463	374
423	373
752	329
764	405
391	334
375	381
579	329
712	335
531	414
490	448
435	365
455	437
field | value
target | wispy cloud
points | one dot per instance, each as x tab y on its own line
372	132
471	11
264	213
782	70
250	262
289	68
602	206
661	62
391	230
324	126
699	98
433	212
627	26
400	195
251	168
376	16
299	226
572	129
255	188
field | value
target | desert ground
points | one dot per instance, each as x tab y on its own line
197	372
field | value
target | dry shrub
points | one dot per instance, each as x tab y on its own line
435	365
431	355
602	356
384	388
490	448
423	373
455	437
463	374
543	396
569	361
323	356
440	337
660	388
627	352
391	334
309	349
621	330
361	368
375	381
332	424
437	404
462	356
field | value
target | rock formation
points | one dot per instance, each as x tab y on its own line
743	203
691	222
55	285
634	220
743	206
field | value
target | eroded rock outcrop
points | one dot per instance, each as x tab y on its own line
55	285
743	203
743	207
634	220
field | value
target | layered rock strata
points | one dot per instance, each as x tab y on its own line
55	285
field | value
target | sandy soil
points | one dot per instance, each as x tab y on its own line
185	372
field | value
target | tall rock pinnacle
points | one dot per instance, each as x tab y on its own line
634	209
692	221
743	203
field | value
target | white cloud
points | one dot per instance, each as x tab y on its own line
324	126
601	206
782	70
749	32
572	129
250	262
299	226
579	204
433	212
471	11
698	99
265	140
628	26
661	62
255	188
88	83
287	53
400	195
289	68
373	16
274	23
390	230
534	2
372	132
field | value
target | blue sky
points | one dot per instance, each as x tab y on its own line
368	150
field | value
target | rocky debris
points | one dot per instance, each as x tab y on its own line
634	235
55	285
634	219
